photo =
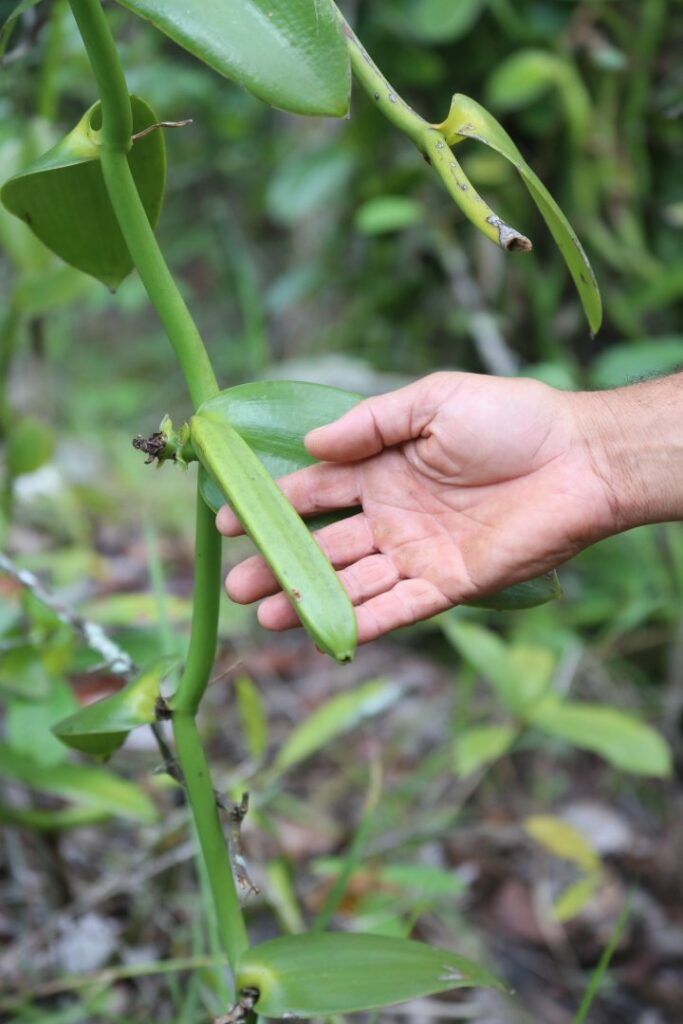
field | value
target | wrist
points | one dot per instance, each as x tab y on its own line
634	439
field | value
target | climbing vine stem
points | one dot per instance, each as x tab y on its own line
116	141
430	141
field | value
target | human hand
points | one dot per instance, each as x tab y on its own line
466	483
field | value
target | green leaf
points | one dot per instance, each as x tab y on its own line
273	417
435	21
621	739
528	74
321	974
481	745
632	360
562	840
51	821
306	182
94	788
254	724
28	723
31	444
63	199
289	53
52	286
384	214
603	964
100	728
296	560
336	716
11	20
467	119
419	879
529	594
23	673
521	674
575	897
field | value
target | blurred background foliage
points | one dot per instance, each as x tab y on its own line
325	250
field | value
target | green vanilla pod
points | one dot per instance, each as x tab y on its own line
299	565
317	975
274	416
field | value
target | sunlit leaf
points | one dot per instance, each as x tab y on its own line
575	898
63	199
100	728
321	974
562	840
467	119
289	53
621	739
336	716
252	716
520	673
481	745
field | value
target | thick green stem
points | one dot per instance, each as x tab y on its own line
117	127
203	635
202	800
198	372
429	139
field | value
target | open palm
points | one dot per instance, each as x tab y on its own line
466	483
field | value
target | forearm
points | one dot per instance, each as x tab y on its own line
635	439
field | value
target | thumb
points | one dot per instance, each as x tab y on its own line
375	424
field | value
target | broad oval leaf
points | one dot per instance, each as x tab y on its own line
467	119
273	417
94	788
321	974
521	674
299	565
289	53
63	198
100	728
621	739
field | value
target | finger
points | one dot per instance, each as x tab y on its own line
343	543
365	579
227	522
408	602
381	422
